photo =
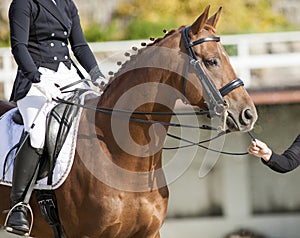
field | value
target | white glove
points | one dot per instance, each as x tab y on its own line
49	90
98	78
100	82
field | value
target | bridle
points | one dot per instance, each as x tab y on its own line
213	97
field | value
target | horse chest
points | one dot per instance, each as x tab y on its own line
136	206
135	211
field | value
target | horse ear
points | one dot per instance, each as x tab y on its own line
198	25
213	20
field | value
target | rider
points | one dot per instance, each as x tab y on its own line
282	163
40	32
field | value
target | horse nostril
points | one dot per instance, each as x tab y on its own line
248	114
246	117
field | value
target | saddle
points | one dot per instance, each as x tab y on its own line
59	122
58	125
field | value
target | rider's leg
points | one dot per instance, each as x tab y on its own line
25	165
32	109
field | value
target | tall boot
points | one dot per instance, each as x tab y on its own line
25	164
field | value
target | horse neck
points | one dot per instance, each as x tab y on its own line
143	89
150	78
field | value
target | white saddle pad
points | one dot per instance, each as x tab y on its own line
13	132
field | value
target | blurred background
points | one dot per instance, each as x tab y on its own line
239	197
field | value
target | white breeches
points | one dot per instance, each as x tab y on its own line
34	107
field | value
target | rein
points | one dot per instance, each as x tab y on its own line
199	144
214	99
125	114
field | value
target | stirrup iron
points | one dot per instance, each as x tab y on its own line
18	232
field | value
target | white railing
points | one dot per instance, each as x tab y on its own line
252	53
7	71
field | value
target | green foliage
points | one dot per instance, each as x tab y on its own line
231	50
141	20
139	29
4	33
137	19
95	32
4	41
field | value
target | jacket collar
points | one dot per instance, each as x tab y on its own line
54	10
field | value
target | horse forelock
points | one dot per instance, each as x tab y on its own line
210	28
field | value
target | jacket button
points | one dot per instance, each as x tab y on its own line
65	33
55	58
63	44
53	34
66	57
51	44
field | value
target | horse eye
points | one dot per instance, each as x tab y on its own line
211	62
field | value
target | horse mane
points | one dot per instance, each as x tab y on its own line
158	40
134	57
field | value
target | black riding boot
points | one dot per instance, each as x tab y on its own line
25	165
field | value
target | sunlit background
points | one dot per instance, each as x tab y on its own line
240	195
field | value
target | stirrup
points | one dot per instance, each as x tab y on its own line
18	232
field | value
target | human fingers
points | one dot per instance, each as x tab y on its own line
261	145
253	143
253	150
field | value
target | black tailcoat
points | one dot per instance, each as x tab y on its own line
40	32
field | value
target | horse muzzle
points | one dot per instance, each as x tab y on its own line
243	121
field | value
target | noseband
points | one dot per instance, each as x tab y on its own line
213	97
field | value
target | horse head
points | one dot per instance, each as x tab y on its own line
193	62
210	81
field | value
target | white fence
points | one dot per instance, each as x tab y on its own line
7	71
261	51
253	51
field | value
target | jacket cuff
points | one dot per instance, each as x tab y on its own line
95	73
271	160
34	77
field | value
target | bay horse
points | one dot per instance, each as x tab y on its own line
117	187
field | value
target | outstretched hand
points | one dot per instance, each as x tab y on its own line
260	149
